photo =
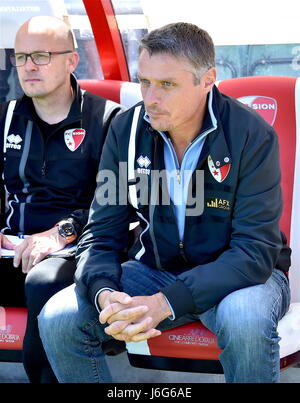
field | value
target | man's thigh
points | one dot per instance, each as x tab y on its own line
53	270
46	279
248	305
140	279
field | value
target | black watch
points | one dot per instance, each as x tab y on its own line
67	230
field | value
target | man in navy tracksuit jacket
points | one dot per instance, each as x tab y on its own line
208	250
49	159
32	166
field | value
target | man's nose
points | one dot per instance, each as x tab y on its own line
152	96
29	65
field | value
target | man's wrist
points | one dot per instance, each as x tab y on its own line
66	230
166	308
100	298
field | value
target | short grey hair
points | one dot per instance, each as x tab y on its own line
182	40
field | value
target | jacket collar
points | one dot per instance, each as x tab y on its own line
216	145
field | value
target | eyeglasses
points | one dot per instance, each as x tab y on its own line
38	58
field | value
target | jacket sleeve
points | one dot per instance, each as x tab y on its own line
105	236
255	237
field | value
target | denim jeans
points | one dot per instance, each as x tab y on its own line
245	323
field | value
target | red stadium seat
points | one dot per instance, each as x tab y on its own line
12	330
192	347
124	93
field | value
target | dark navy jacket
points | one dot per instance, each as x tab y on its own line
233	243
46	178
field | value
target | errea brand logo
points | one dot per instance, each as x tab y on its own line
143	162
13	141
265	106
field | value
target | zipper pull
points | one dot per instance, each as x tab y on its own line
181	249
44	169
178	176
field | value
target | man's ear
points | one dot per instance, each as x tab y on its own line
210	77
74	60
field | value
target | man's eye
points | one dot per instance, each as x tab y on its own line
167	84
143	81
40	57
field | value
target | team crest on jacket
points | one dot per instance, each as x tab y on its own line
73	138
219	174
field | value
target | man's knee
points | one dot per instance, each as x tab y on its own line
47	278
36	285
66	315
241	319
56	318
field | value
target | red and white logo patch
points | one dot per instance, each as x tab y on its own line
265	106
219	174
73	138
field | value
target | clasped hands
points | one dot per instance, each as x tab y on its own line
132	318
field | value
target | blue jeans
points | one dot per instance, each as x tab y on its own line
245	323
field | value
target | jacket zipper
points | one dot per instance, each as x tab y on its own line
178	174
44	166
181	244
44	169
181	250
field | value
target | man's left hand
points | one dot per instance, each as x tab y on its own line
36	247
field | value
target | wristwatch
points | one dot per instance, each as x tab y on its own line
67	230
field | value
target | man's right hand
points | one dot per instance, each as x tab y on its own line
5	243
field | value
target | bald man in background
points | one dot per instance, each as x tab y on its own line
50	145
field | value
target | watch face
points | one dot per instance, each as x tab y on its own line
67	229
